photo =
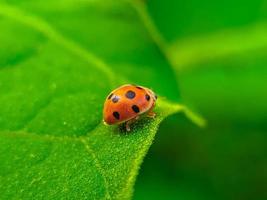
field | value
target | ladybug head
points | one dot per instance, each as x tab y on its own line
153	95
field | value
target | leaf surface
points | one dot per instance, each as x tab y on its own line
59	60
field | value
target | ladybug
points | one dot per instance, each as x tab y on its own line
126	103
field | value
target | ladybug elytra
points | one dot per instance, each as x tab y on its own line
126	103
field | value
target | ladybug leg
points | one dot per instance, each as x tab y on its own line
128	123
105	123
151	114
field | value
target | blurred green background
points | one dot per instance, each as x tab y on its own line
227	159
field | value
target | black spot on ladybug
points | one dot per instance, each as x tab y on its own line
115	99
147	97
135	108
130	94
116	115
109	97
156	97
140	88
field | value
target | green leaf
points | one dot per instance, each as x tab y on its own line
192	52
103	163
53	83
102	29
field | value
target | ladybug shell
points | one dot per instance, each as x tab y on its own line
127	102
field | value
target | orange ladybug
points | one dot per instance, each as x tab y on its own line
126	103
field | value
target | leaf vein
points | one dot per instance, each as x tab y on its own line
97	164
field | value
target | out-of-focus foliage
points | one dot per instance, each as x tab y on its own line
219	51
